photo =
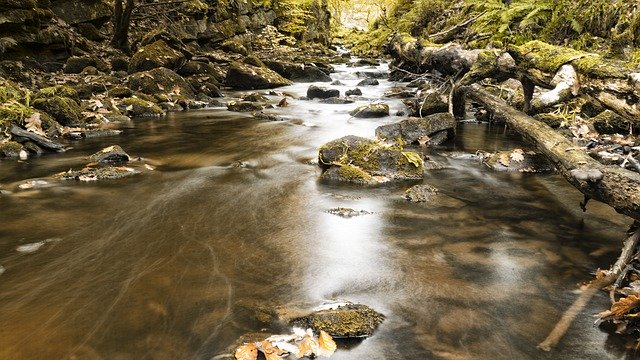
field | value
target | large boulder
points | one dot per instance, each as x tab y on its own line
321	92
247	77
75	64
360	160
156	55
160	80
298	72
417	130
370	111
432	103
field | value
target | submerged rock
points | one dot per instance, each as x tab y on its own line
247	77
433	129
321	92
244	106
342	320
420	193
353	92
371	111
347	212
337	101
368	82
109	155
254	97
364	161
100	173
518	161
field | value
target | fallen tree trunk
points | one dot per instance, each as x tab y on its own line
38	139
612	185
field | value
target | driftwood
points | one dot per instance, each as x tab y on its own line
38	139
628	250
615	186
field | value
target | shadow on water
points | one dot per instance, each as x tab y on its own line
162	265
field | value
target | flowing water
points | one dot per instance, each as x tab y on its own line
162	265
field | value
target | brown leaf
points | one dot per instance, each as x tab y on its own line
34	125
270	352
307	346
504	159
623	306
246	352
326	345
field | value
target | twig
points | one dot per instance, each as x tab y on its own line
629	248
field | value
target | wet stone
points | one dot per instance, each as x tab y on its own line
244	106
368	82
254	97
420	130
370	111
314	92
95	174
354	92
109	155
420	193
343	320
337	101
347	212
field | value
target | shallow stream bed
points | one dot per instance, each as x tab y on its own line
161	265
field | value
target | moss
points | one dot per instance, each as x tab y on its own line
10	149
13	112
58	90
156	55
139	107
347	321
354	174
65	110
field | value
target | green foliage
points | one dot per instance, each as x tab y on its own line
293	16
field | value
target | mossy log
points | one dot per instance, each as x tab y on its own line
615	186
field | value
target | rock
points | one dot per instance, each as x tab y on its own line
608	122
120	63
254	97
347	212
10	149
370	111
322	93
234	46
120	91
134	106
364	161
205	86
551	119
91	32
432	103
247	77
160	80
337	83
337	101
368	82
63	109
156	55
244	106
76	64
110	155
200	68
298	72
372	74
346	320
416	130
354	92
58	90
261	115
255	61
74	12
420	193
100	173
518	161
399	93
89	71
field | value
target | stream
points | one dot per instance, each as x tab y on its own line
162	265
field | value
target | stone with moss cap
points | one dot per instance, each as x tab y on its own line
345	320
63	109
134	106
360	160
161	80
415	130
247	77
156	55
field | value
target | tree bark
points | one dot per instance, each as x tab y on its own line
121	22
612	185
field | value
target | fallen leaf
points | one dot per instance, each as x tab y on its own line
622	307
504	159
34	124
308	346
246	352
326	345
270	352
517	155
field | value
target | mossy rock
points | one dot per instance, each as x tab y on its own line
58	90
298	72
420	193
346	321
10	91
608	122
76	64
98	173
10	149
156	55
234	46
120	91
160	80
551	119
370	111
64	110
200	68
247	77
349	174
134	106
245	106
255	61
356	156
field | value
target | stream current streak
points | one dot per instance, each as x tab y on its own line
172	264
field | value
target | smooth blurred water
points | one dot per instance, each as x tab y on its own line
161	265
